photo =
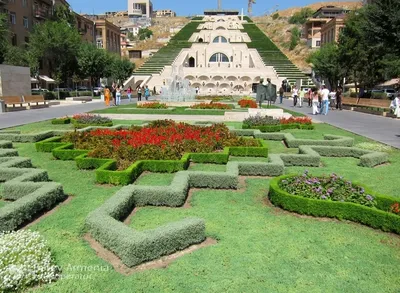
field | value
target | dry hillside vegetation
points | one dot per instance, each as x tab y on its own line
279	31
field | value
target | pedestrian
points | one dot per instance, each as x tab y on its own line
301	98
315	100
310	97
197	90
139	93
107	96
281	93
129	93
114	92
339	96
397	106
118	90
325	100
295	94
147	93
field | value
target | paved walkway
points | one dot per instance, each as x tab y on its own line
379	128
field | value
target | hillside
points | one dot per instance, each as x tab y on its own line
279	30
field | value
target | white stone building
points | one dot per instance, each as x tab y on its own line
219	62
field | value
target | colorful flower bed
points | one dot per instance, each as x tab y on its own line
247	103
152	105
270	124
85	120
332	187
161	140
219	106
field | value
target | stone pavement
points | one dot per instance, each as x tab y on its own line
379	128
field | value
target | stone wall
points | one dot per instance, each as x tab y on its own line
14	81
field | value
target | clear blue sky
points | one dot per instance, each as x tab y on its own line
187	7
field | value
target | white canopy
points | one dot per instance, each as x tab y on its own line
46	79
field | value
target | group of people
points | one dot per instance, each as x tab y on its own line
319	99
113	94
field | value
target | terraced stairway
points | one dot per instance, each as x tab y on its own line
167	55
272	56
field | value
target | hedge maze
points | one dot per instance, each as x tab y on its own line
28	190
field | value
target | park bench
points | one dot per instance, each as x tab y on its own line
12	101
35	101
370	106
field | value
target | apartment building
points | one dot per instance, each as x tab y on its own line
108	36
86	28
312	27
165	13
23	15
331	30
140	8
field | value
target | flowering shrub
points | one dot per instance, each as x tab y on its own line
259	120
395	208
152	105
374	147
247	103
333	188
296	120
161	140
25	260
212	106
90	119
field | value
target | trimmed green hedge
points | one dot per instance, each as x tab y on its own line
277	128
379	217
29	190
61	121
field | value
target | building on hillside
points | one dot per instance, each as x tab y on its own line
86	28
108	36
140	8
94	17
331	30
129	27
23	16
165	13
312	27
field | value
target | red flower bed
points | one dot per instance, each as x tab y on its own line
298	120
152	105
162	140
212	105
245	103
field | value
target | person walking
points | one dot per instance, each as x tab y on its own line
310	98
325	100
129	93
339	96
139	93
301	98
396	104
114	92
118	95
295	94
281	93
315	100
107	96
147	93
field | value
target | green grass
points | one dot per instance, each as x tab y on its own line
247	159
260	248
155	179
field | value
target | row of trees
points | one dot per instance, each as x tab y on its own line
57	44
368	51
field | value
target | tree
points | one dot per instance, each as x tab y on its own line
16	56
92	62
325	63
144	33
121	69
294	38
63	13
301	16
4	34
57	44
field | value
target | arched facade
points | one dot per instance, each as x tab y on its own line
220	39
218	57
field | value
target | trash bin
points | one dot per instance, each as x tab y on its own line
2	107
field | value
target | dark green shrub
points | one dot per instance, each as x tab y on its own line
64	120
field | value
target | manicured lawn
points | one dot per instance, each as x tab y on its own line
207	167
260	248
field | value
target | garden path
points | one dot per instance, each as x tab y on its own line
379	128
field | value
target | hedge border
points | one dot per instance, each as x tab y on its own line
279	127
378	217
28	187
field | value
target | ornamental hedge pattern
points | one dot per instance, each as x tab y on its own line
379	217
28	190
